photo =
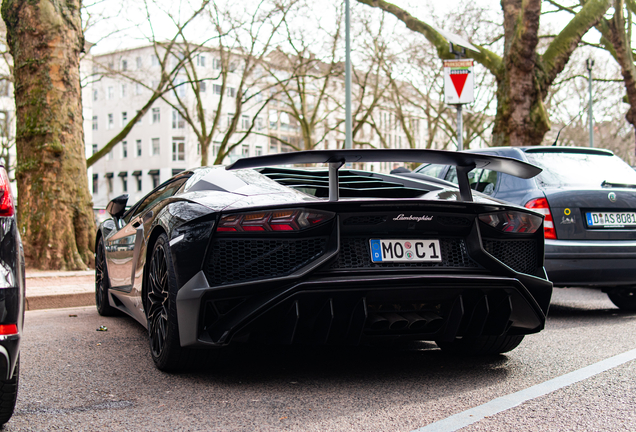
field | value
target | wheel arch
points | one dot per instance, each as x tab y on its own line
154	235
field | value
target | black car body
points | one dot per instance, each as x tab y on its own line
12	289
248	252
577	191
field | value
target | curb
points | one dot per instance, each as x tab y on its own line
59	289
59	301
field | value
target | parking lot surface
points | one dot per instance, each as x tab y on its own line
76	378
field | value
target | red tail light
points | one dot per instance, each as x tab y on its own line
8	329
6	198
541	205
512	222
277	220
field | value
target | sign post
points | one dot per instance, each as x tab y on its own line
459	89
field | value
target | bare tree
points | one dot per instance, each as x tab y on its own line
165	52
523	76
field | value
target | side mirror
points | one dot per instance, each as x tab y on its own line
117	206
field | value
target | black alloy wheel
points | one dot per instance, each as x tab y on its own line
161	311
102	283
623	298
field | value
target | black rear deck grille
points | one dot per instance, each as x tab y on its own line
242	260
355	253
519	255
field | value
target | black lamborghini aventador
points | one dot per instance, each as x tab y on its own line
255	252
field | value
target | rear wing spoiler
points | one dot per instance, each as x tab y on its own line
465	162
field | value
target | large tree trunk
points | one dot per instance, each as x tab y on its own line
521	116
54	205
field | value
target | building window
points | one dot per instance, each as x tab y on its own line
139	64
95	123
178	149
154	60
216	63
258	151
230	117
259	123
177	120
231	91
95	95
111	92
111	121
245	122
138	89
94	148
217	89
124	118
95	182
109	182
138	148
202	87
123	90
201	60
245	150
110	154
216	148
124	181
155	178
124	65
155	147
156	115
273	120
124	149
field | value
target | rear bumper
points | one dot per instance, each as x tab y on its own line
590	263
347	309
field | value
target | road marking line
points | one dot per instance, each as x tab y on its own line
504	403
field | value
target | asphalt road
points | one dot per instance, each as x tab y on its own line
75	378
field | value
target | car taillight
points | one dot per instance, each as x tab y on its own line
540	205
6	199
277	220
512	222
8	329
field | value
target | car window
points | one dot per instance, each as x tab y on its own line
164	191
433	170
581	169
481	180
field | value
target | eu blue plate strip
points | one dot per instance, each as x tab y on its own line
504	403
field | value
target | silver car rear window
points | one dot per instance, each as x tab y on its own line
581	170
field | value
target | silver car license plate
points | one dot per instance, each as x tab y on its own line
611	219
394	250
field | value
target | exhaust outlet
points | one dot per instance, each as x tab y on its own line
416	322
433	321
377	322
396	322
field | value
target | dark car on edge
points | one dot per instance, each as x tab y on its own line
588	197
11	300
254	253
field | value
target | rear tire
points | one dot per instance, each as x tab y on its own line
102	283
481	345
9	395
161	312
623	298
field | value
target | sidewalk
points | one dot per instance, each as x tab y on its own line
59	289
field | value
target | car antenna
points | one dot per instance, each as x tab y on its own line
563	127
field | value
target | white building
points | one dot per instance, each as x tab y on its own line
163	143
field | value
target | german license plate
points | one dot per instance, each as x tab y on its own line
383	250
611	219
